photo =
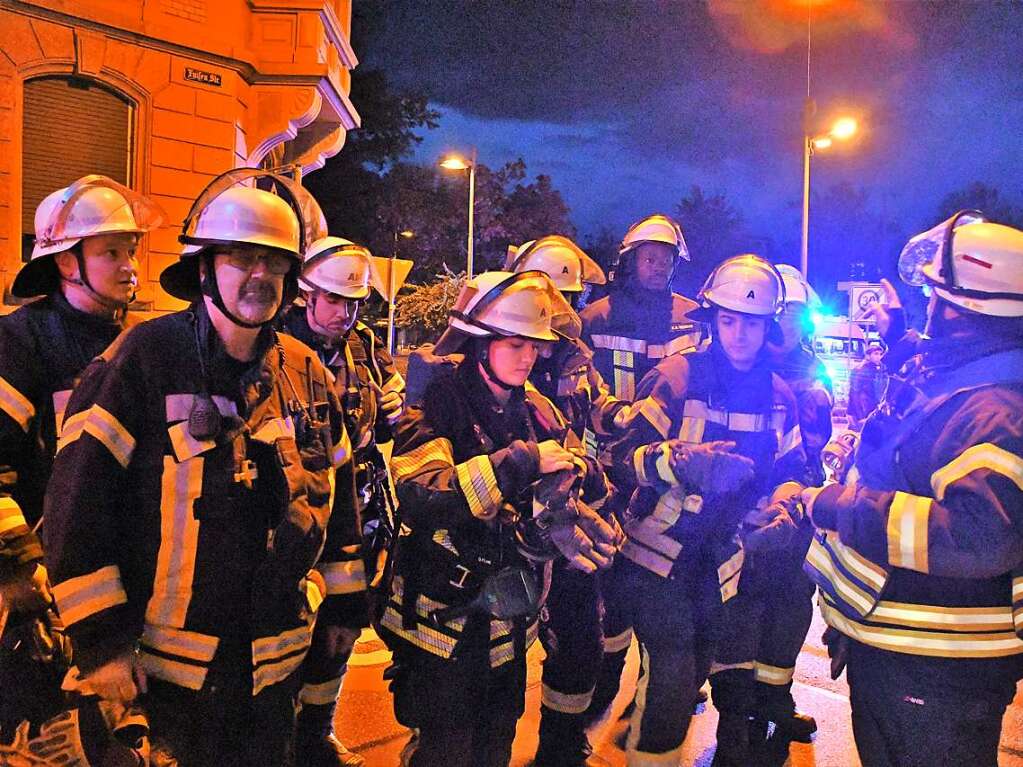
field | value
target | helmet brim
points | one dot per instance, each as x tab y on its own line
181	279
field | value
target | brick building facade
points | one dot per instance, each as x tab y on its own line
163	95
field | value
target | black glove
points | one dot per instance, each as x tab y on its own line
771	527
710	468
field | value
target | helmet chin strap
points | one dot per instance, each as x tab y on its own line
82	281
208	285
488	370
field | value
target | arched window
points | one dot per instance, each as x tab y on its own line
73	126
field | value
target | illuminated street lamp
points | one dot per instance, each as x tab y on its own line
454	162
841	130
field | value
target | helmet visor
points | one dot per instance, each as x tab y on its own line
146	213
313	224
923	248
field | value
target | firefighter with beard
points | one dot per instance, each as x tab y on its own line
190	492
572	633
335	281
488	494
788	611
919	562
713	458
641	321
84	266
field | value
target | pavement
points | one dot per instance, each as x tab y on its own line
366	720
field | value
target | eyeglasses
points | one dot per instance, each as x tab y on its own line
246	260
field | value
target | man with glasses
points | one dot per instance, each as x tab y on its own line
191	491
335	281
83	267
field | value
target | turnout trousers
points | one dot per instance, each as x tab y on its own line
222	723
672	619
465	712
573	640
902	718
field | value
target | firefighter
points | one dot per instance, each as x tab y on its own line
641	321
572	633
788	611
336	278
919	562
83	265
487	492
190	491
712	459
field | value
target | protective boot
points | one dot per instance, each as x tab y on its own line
563	741
316	745
733	739
608	683
776	704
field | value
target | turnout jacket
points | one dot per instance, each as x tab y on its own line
927	562
808	379
700	397
359	362
630	331
570	379
463	469
193	549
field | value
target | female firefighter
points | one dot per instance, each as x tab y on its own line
488	492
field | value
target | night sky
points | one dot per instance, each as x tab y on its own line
626	105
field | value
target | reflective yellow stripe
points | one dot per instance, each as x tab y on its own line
733	565
850	593
933	644
655	414
394	383
983	456
186	446
639	466
10	515
717	668
647	531
565	702
322	694
60	400
180	485
745	422
869	572
181	674
276	657
274	429
644	557
343	577
691	429
619	642
907	531
186	644
953	619
774	675
504	652
619	343
792	440
16	405
1017	588
408	464
479	486
422	636
104	427
84	596
676	345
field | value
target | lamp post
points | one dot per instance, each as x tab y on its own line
842	129
407	234
454	162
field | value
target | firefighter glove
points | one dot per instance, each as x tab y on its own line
710	468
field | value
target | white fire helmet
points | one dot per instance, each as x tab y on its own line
339	266
655	228
232	210
969	262
747	284
526	304
560	259
91	206
797	289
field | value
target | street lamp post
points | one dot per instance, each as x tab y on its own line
454	162
842	129
407	234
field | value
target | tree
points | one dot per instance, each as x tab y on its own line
714	230
424	308
984	198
